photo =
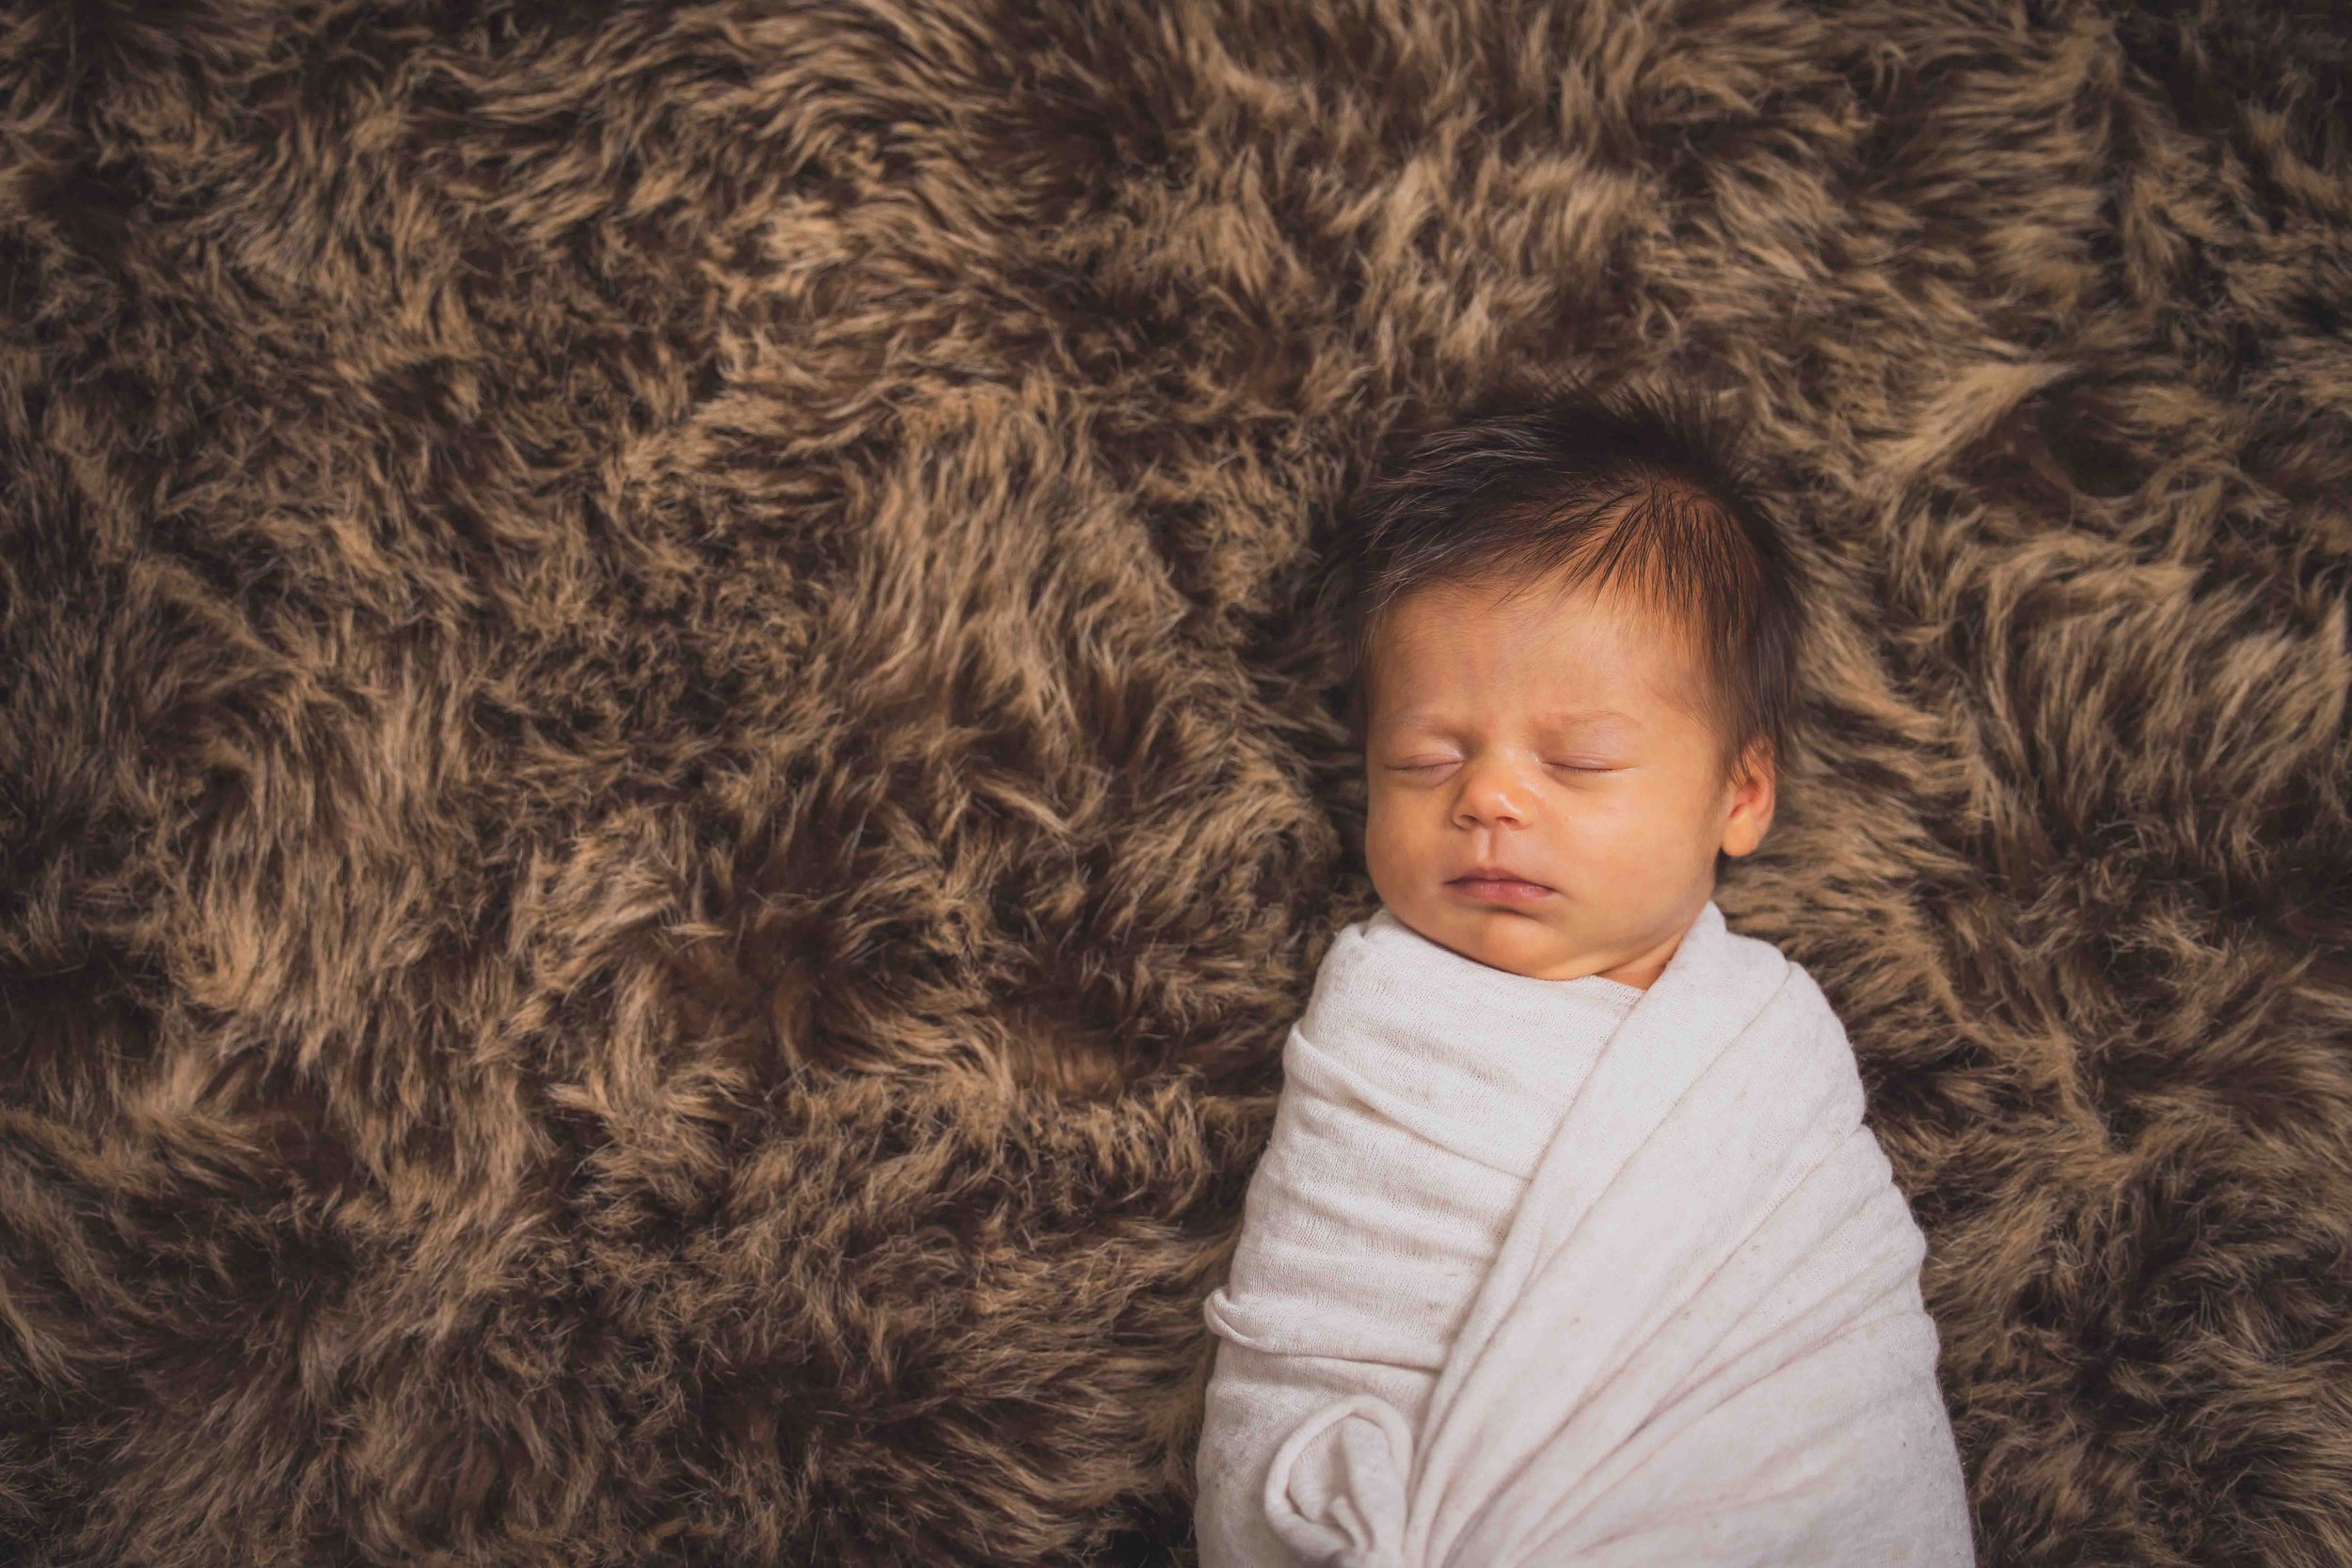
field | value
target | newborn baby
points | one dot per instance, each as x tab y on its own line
1569	1246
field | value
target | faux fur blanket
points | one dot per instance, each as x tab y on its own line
664	792
1701	1339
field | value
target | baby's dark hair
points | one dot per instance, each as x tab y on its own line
1643	491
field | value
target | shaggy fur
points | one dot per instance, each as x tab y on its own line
664	797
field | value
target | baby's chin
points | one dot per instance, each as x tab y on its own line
1556	964
1511	938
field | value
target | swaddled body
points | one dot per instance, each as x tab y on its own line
1551	1272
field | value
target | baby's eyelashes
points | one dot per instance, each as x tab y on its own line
1563	767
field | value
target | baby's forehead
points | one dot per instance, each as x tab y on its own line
1425	654
1551	602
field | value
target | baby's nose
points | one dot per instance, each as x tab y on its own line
1493	793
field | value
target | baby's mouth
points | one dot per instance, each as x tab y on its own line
1499	887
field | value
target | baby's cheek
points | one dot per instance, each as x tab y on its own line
1623	852
1404	854
1382	852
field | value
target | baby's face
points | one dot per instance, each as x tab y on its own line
1554	737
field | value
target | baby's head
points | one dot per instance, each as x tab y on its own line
1573	643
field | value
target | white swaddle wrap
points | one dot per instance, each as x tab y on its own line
1547	1273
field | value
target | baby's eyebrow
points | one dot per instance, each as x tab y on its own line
1588	716
1438	720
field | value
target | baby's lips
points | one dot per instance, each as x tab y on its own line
1515	892
1499	873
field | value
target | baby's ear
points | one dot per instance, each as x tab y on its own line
1754	790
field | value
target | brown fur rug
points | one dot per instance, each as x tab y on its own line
665	798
